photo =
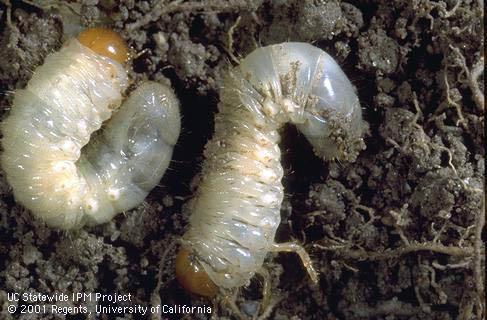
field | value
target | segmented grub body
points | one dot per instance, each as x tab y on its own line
60	171
236	209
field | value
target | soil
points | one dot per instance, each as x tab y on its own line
398	234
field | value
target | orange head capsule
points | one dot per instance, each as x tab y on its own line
192	276
105	42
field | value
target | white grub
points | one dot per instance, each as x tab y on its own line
236	209
55	170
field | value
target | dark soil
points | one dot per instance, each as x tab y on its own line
398	234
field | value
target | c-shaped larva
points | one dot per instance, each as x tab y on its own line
54	169
236	209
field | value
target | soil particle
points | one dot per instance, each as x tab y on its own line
378	52
23	46
310	20
198	60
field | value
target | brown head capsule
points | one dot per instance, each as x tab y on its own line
105	42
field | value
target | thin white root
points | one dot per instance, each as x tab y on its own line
303	255
472	77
